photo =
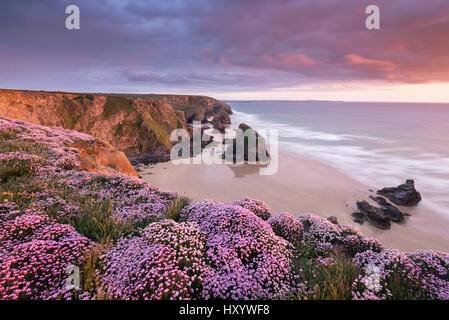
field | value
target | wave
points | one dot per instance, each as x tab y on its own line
288	131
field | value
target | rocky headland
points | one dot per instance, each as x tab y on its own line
138	125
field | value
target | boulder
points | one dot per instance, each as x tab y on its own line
388	209
333	219
374	215
222	117
403	195
259	148
359	217
220	127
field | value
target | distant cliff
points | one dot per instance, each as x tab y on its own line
135	123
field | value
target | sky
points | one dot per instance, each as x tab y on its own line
230	49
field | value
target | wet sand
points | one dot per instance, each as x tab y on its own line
301	185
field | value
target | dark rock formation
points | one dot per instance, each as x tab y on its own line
333	219
373	215
389	210
260	146
403	195
358	217
220	127
222	117
148	158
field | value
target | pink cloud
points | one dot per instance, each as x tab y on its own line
296	59
268	58
382	65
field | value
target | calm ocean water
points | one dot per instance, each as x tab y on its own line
380	144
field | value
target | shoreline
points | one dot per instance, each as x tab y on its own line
301	185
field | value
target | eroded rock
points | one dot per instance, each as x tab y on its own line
389	210
403	195
373	215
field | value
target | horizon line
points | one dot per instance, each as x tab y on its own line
225	100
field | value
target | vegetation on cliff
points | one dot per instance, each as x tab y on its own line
133	241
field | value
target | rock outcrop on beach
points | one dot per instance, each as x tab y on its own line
403	195
257	150
389	210
131	240
138	125
373	215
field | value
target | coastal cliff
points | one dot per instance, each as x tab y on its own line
135	124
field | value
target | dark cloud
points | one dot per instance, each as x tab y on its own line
220	45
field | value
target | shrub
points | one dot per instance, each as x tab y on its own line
392	274
259	208
7	134
286	226
319	233
353	241
248	261
36	253
165	262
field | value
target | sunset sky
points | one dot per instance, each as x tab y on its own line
230	49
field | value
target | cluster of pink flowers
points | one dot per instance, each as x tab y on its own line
259	208
248	261
353	241
389	273
319	233
36	253
286	226
133	199
68	163
165	262
56	141
21	161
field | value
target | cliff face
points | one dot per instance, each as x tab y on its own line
134	124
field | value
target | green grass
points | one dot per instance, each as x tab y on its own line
95	220
116	104
176	207
15	168
25	146
158	129
128	127
189	110
72	110
7	135
324	282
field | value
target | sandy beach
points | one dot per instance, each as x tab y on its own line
301	185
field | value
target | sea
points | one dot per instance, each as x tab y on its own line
378	144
